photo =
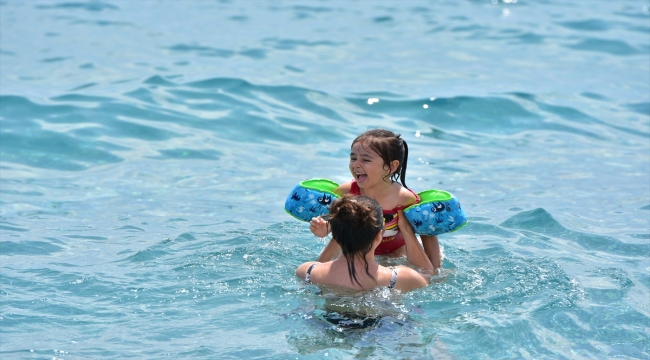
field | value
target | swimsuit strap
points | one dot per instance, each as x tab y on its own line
393	278
354	188
309	273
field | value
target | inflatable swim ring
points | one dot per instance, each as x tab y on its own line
311	198
437	212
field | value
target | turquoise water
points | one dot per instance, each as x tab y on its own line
147	147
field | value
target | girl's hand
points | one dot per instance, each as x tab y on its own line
319	227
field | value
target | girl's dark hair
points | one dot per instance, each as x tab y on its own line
355	221
389	146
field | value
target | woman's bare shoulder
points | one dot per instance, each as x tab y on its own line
409	279
301	271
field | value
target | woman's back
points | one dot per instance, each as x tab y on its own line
399	277
357	227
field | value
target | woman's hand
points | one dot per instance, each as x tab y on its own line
319	227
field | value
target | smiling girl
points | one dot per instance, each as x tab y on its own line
377	158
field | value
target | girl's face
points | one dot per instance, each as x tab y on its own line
366	166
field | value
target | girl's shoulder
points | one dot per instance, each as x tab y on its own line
406	197
344	188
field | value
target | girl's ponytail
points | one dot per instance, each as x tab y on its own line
402	175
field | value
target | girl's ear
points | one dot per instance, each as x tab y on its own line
394	165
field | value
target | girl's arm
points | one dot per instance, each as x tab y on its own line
331	251
344	188
414	253
429	242
432	249
319	227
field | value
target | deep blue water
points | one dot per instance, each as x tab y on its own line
147	147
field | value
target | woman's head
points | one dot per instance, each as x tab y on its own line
390	147
355	222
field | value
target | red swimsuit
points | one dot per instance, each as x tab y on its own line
393	238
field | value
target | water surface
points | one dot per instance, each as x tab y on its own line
146	149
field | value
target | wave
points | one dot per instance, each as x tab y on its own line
75	131
537	222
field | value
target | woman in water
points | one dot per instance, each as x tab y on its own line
357	227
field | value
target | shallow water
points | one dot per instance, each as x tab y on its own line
146	149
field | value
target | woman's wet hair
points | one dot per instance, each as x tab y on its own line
389	146
355	221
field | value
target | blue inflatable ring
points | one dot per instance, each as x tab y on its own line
438	211
311	198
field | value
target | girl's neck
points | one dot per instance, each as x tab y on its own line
377	191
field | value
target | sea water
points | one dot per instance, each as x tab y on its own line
147	148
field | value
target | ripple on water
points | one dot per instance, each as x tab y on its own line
541	222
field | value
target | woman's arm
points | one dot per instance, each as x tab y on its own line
414	253
409	279
301	271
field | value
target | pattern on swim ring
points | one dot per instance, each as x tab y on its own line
304	203
436	217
